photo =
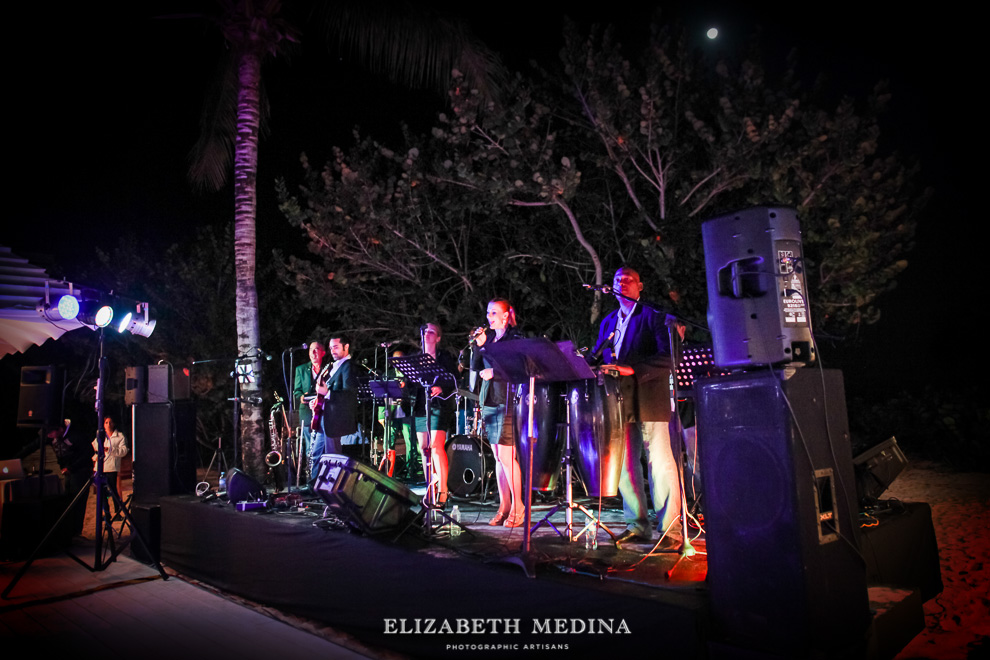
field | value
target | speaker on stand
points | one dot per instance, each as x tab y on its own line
757	295
785	573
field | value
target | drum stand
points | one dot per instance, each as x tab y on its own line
594	523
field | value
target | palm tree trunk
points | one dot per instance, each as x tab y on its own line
245	248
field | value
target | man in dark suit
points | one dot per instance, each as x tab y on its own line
339	394
635	348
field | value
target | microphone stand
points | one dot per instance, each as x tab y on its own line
238	373
686	549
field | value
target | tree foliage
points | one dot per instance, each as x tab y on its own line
603	161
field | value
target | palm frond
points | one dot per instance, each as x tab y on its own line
412	46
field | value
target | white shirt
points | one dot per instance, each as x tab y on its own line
114	448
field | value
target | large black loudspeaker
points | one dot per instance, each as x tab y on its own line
156	383
758	307
784	568
361	495
164	441
135	385
40	396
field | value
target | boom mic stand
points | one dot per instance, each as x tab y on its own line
104	524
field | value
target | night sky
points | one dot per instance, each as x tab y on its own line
103	108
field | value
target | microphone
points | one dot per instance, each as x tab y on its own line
302	347
386	344
597	353
603	288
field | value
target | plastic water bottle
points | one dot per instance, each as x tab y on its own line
223	481
455	526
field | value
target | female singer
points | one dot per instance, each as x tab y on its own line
441	415
496	411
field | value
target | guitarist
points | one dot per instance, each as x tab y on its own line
304	390
335	405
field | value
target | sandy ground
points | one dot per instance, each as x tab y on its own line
957	622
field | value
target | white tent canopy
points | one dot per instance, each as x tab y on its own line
22	285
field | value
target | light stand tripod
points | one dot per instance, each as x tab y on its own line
104	524
221	460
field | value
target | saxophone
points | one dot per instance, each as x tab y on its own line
274	457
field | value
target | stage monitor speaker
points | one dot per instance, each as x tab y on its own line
362	496
784	568
876	468
39	401
135	385
758	308
164	440
242	487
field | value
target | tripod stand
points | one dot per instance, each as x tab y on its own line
104	524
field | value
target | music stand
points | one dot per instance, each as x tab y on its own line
528	360
386	391
426	371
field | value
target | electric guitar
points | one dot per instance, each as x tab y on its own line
317	420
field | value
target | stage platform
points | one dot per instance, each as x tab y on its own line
445	596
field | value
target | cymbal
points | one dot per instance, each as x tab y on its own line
467	394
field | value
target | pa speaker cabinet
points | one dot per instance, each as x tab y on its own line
164	441
758	307
39	401
361	495
135	385
784	567
159	383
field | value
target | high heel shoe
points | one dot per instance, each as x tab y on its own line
515	521
499	518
